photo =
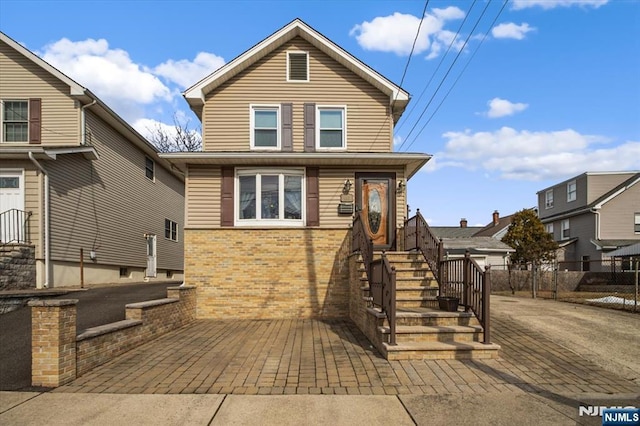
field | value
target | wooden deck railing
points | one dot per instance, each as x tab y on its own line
380	275
14	226
461	278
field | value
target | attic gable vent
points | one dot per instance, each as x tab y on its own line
297	66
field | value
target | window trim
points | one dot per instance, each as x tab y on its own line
566	228
548	199
549	228
343	109
172	224
289	52
153	168
265	107
571	193
636	223
281	172
3	121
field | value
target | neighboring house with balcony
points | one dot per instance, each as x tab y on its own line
591	215
76	178
297	140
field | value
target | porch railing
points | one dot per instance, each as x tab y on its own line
418	236
464	279
14	226
461	278
380	275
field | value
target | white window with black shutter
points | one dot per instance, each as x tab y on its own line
297	66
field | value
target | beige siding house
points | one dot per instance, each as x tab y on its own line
591	215
74	177
297	137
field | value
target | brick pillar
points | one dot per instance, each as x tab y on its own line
53	342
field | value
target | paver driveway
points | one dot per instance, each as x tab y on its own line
333	357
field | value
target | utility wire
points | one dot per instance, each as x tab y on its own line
459	75
404	73
424	110
453	40
26	120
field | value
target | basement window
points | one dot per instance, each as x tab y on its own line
124	272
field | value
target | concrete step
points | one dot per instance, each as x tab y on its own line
434	317
442	333
415	302
440	350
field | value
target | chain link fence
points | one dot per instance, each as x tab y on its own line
610	283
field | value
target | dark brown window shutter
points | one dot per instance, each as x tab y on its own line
226	215
313	196
287	127
309	127
35	120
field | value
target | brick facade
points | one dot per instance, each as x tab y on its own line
269	273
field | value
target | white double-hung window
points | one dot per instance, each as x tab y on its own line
270	197
265	129
331	129
15	121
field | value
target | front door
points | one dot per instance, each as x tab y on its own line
11	197
151	256
375	199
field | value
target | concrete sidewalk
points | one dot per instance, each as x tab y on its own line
501	408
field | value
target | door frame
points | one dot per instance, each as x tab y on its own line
391	197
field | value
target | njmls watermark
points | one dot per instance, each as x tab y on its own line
612	416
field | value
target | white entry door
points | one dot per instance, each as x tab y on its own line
151	256
11	198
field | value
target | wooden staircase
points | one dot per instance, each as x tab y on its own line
422	330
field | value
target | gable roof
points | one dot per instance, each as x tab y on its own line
86	97
598	202
195	95
454	231
476	244
492	229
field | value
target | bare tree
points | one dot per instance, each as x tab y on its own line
178	139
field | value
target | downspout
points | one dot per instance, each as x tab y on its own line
47	255
596	211
83	140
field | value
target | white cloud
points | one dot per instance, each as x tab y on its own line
109	73
551	4
502	107
511	30
526	155
186	73
396	33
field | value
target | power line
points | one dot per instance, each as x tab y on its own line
424	110
459	75
453	40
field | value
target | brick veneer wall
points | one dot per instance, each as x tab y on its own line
269	273
59	356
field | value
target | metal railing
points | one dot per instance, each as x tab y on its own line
418	236
14	226
465	280
380	275
461	278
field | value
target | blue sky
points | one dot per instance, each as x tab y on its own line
550	91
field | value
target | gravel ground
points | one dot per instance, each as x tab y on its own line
586	330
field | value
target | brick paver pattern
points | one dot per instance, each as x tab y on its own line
334	357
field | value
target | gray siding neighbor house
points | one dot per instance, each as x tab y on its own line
76	178
591	215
